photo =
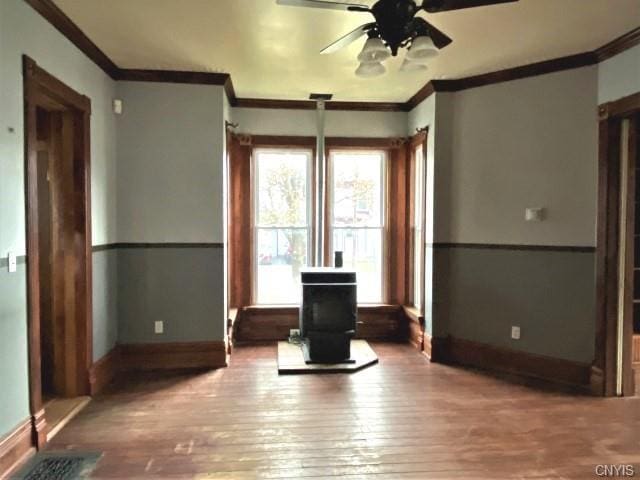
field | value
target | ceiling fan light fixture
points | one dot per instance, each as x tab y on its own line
410	66
422	49
370	69
374	51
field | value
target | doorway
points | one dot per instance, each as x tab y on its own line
615	369
58	249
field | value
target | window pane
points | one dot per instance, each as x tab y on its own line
280	254
362	252
357	188
357	202
281	230
418	240
282	188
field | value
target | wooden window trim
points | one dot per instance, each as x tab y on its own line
419	139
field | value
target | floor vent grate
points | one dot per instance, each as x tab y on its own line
59	466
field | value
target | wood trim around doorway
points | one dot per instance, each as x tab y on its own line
603	370
43	90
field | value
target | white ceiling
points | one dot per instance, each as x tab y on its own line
271	51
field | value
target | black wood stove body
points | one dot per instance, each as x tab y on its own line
328	314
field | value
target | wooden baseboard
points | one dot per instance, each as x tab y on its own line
170	356
596	381
439	349
15	448
504	360
267	324
104	370
39	428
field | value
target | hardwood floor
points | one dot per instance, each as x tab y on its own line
401	419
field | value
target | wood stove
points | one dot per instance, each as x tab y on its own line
328	314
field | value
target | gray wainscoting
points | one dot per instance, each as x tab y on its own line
181	286
480	292
105	301
14	356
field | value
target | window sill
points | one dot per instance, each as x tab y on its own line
413	314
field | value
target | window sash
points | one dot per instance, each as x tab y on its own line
381	226
257	227
418	223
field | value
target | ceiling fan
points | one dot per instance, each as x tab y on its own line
396	26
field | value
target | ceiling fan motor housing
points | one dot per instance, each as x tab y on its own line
395	22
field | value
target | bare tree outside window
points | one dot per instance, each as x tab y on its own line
282	227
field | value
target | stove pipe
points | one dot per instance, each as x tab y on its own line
320	173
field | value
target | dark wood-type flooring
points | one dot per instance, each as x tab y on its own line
403	418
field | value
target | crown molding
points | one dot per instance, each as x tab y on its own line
72	32
524	71
173	76
61	22
425	92
618	45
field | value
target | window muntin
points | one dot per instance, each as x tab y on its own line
282	233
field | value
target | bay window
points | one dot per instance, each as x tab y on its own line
274	188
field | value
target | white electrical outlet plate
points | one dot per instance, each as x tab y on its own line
117	106
12	262
534	214
159	327
515	333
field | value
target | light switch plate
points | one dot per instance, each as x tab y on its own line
159	327
515	333
12	262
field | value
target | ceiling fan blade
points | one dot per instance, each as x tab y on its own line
349	7
435	6
439	38
348	38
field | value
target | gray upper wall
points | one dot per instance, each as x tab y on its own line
265	121
518	144
170	161
619	76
